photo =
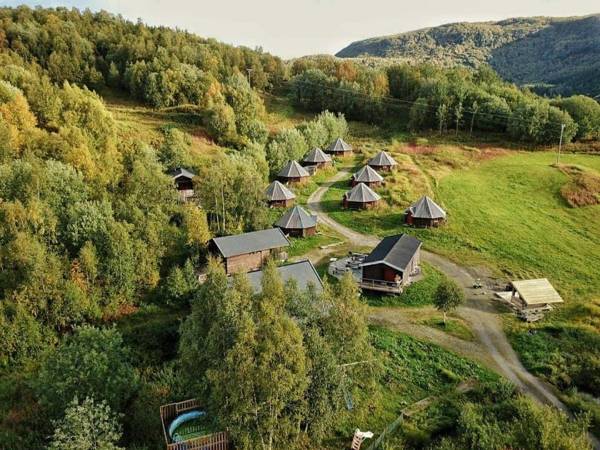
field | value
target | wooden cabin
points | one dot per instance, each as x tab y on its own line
184	184
297	222
533	298
339	147
424	213
249	251
293	172
368	176
383	162
360	196
317	158
278	195
392	264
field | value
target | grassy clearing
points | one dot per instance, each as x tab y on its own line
302	246
453	326
414	370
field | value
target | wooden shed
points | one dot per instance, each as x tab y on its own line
317	157
368	176
339	147
278	195
249	251
534	294
298	223
183	179
293	172
390	266
424	213
361	196
382	161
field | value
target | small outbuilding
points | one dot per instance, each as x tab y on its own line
361	196
297	222
339	148
278	195
293	172
317	157
425	213
183	179
392	264
302	272
249	251
368	176
534	296
382	161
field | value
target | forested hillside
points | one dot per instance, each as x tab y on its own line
555	55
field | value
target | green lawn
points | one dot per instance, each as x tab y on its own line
508	214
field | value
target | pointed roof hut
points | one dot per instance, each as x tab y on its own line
339	147
278	194
293	172
361	196
382	161
368	176
317	157
298	222
425	213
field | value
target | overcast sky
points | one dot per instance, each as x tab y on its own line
295	28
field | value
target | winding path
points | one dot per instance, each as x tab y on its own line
492	348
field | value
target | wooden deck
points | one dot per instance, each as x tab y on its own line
391	287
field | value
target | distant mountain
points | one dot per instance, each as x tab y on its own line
555	55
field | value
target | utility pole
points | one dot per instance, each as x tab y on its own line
562	130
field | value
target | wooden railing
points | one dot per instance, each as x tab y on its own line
389	286
215	441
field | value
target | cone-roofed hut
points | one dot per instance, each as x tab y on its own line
382	161
361	196
293	172
279	195
425	213
317	157
339	147
368	176
298	222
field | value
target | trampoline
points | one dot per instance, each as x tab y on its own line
189	425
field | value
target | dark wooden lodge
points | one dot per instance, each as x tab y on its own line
298	223
360	196
390	266
278	195
425	213
368	176
249	251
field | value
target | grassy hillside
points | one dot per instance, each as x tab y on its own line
553	54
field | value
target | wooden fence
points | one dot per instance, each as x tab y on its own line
214	441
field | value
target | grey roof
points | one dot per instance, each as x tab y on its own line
367	175
316	155
339	145
181	172
293	170
382	159
394	251
255	241
362	193
278	192
297	219
425	208
302	271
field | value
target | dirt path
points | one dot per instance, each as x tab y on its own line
492	349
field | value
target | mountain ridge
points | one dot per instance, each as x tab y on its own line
556	55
